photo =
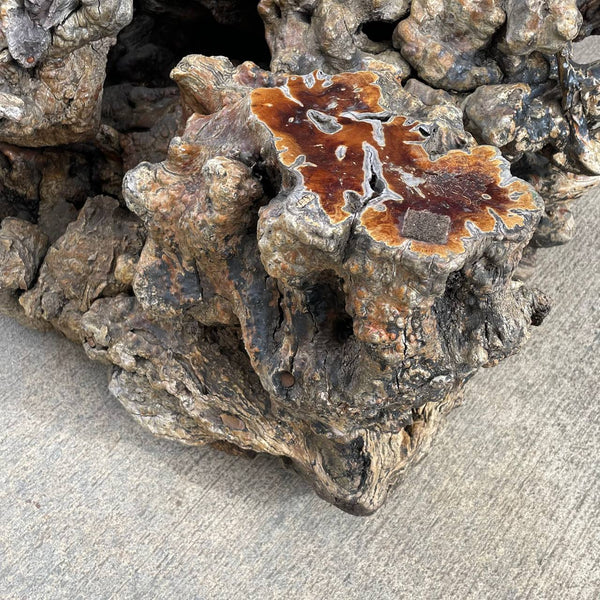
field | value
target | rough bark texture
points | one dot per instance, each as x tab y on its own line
310	260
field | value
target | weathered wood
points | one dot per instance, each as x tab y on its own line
317	261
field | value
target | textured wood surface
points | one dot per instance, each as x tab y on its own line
506	505
318	266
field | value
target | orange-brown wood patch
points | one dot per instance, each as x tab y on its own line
320	129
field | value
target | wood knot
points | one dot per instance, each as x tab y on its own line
287	379
232	422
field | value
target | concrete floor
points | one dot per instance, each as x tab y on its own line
506	505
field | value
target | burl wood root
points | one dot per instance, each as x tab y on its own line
309	261
314	271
